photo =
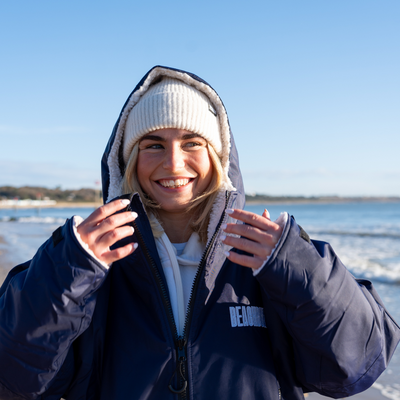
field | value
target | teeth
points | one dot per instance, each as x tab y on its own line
174	184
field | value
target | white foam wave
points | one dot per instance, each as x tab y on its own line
35	219
377	233
368	257
380	270
376	272
390	391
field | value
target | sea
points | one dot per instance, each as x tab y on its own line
365	236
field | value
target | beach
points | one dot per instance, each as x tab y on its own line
374	393
365	236
5	264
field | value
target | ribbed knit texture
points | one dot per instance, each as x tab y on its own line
172	103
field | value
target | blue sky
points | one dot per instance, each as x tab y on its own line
312	88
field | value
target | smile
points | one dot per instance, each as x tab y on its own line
173	184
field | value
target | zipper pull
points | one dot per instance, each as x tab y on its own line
180	368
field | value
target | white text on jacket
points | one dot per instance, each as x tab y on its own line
247	316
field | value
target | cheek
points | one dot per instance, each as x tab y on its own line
142	170
207	169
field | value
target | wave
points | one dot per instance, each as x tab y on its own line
377	270
383	235
34	219
388	391
388	278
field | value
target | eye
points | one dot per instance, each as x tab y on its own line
154	146
192	144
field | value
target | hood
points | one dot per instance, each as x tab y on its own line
113	166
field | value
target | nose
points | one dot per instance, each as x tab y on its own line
174	159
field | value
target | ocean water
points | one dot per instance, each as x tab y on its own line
366	237
24	230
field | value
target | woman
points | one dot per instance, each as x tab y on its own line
176	292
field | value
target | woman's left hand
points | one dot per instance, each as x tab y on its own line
258	237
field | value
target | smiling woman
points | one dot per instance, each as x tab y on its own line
174	170
178	174
158	161
170	290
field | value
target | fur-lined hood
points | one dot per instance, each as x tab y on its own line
113	165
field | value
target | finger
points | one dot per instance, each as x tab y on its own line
114	221
251	218
245	261
113	236
106	210
266	214
117	254
250	232
257	249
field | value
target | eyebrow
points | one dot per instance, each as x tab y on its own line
161	139
152	137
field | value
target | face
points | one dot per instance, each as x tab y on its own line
173	168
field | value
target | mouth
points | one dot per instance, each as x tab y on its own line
174	183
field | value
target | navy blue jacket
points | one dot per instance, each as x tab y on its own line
71	328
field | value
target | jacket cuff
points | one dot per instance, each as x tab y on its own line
282	222
76	221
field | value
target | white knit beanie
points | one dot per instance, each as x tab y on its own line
172	103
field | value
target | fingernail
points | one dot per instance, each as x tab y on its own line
222	237
227	254
268	214
224	226
229	210
125	202
135	246
134	215
133	229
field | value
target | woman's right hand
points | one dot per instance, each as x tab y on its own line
103	228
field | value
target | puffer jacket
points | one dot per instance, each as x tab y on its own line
74	329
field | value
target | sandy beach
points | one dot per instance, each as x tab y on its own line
370	394
5	262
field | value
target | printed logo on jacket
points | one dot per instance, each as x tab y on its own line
247	316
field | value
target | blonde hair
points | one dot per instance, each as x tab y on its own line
200	206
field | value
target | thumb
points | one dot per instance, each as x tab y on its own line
265	214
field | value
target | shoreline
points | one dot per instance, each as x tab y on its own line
5	264
372	393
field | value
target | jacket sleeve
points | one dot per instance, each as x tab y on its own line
43	309
343	337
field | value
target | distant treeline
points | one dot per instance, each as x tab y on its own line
90	195
40	193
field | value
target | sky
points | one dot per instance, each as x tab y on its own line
312	87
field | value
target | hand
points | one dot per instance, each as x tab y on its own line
258	237
101	229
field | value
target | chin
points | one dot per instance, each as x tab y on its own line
175	208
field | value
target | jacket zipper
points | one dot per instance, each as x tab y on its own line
180	341
193	292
